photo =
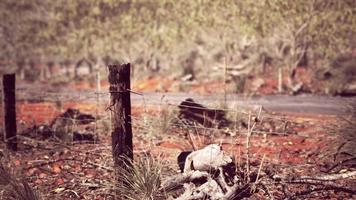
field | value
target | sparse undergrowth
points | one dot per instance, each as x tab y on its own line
293	150
140	179
12	188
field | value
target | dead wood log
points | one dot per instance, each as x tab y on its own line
177	181
208	187
207	174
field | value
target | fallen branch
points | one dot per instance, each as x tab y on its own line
327	182
177	181
329	177
341	163
67	159
207	174
323	188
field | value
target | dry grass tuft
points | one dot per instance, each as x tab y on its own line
141	179
13	189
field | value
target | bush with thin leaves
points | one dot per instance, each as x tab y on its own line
140	179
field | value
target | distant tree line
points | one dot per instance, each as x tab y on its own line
168	35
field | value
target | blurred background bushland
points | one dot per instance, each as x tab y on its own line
42	39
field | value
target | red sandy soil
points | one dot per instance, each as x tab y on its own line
83	171
59	173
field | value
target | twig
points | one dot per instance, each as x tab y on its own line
249	133
260	169
340	163
225	78
67	159
248	147
327	180
191	141
253	187
330	177
177	181
324	188
267	192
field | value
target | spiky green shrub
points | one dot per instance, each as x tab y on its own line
140	179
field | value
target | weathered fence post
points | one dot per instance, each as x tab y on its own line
280	80
9	109
119	79
98	90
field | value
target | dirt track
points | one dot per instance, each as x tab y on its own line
319	105
303	104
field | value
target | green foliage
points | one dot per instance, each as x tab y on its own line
326	26
169	30
20	28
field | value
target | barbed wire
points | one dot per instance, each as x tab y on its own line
98	100
49	96
226	130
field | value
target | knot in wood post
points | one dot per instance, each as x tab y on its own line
120	108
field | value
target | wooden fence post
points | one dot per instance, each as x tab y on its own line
120	106
9	109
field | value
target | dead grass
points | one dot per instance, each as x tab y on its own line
141	179
12	188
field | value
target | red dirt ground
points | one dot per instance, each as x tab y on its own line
56	170
83	171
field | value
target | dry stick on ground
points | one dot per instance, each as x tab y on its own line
225	79
323	188
258	173
327	182
67	159
249	133
330	177
50	145
239	147
341	163
213	186
248	147
177	181
233	192
191	141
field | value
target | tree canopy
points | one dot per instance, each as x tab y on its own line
134	29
